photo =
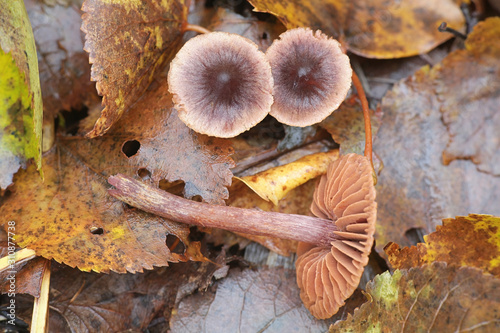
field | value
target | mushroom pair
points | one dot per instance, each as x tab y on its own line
333	248
222	85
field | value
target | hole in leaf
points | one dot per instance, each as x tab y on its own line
415	235
144	173
175	245
264	35
96	231
175	187
131	147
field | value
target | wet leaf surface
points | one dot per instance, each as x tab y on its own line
472	240
128	42
373	29
415	189
432	298
63	64
21	104
262	300
472	117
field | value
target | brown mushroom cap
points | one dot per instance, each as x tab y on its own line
311	76
221	84
328	276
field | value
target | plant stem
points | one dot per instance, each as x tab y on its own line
366	116
287	226
196	28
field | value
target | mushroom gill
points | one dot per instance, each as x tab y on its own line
221	84
328	276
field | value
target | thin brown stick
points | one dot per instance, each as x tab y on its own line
196	28
287	226
366	116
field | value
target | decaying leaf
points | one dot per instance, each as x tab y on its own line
472	240
89	302
432	298
373	29
415	189
63	64
274	184
24	277
151	142
264	300
470	96
347	127
73	220
128	41
20	99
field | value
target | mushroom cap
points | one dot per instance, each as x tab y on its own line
328	276
221	84
311	76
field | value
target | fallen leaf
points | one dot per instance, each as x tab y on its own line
415	190
372	29
264	300
472	116
347	127
21	103
260	32
472	240
275	183
128	42
432	298
63	64
73	220
89	302
151	142
24	277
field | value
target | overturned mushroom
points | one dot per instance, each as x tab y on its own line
327	276
334	246
311	76
221	84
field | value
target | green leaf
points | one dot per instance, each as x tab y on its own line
21	112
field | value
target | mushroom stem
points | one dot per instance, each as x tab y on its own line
366	116
196	28
287	226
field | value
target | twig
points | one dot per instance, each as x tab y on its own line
366	116
40	318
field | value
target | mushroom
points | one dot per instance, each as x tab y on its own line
327	276
334	246
311	76
221	84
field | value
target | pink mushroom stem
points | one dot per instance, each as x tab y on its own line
287	226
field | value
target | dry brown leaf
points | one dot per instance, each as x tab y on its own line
264	300
472	240
128	41
415	189
432	298
470	96
373	29
151	142
25	275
